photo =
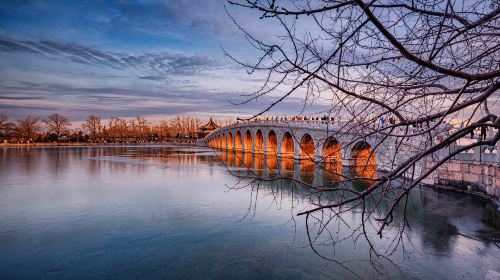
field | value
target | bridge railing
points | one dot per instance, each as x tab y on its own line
330	124
319	123
483	154
295	123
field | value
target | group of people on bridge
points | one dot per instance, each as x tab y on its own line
286	119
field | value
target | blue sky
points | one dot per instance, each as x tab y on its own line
126	58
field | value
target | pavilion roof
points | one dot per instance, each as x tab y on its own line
211	125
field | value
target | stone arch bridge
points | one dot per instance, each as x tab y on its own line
314	140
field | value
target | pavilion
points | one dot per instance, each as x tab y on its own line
209	127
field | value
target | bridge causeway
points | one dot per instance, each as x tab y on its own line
318	140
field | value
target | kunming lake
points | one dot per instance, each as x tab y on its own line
170	212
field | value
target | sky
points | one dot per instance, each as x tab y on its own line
126	58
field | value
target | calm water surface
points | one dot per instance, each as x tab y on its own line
172	213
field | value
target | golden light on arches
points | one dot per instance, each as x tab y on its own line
307	147
238	144
287	152
332	154
259	142
307	153
248	141
230	141
365	160
287	146
331	150
272	143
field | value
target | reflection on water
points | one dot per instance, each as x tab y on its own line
333	171
287	163
272	161
166	212
306	170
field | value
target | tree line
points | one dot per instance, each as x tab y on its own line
94	129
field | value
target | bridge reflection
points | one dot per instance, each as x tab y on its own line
306	170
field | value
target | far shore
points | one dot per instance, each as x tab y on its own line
79	144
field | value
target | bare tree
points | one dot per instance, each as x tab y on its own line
143	126
3	121
6	127
28	127
93	125
163	129
421	65
184	124
57	124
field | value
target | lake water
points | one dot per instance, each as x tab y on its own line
177	213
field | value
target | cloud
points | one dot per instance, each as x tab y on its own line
79	102
162	64
8	45
20	97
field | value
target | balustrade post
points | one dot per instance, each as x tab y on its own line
477	153
498	152
451	149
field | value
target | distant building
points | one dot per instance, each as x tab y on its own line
209	127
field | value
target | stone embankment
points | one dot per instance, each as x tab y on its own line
471	176
476	171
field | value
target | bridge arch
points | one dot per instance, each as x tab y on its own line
364	160
287	145
332	155
238	144
230	141
272	143
259	142
248	141
307	147
331	150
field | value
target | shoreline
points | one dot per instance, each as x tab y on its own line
94	144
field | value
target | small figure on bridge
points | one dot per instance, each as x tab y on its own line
483	132
381	122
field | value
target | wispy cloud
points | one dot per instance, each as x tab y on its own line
162	64
107	102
